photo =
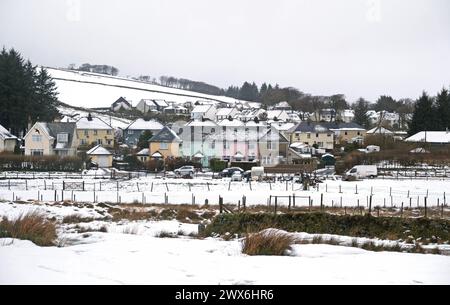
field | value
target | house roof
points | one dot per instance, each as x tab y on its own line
202	123
231	123
379	130
60	128
282	104
165	135
160	103
98	151
121	100
5	134
141	124
157	154
95	123
224	111
342	126
143	152
311	127
437	137
201	108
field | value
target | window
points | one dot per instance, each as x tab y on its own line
63	153
37	152
63	137
346	133
251	145
270	145
317	135
108	142
130	131
36	138
329	134
163	145
213	144
95	132
83	142
86	132
226	145
308	135
213	130
108	131
358	133
99	141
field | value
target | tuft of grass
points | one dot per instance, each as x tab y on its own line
185	215
166	234
267	243
75	218
318	239
30	226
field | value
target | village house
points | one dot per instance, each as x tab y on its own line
346	132
121	104
225	113
313	133
148	105
8	141
176	110
205	111
46	139
94	131
282	106
132	133
100	156
273	148
143	155
278	115
193	136
164	144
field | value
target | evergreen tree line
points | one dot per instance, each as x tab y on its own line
27	93
431	113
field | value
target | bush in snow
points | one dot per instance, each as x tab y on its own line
268	242
31	226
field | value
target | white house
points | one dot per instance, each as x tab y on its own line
278	115
147	105
100	156
225	113
121	104
7	140
204	112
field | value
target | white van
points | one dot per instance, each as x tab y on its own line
257	172
362	171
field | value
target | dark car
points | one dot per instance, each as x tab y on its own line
228	172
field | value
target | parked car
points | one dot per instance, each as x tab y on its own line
228	172
187	170
236	176
247	175
361	171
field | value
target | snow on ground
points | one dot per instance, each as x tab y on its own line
91	90
131	253
139	259
180	191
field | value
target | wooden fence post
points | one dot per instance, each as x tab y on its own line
276	203
220	204
425	202
370	205
321	201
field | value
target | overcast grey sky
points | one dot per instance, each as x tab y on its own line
355	47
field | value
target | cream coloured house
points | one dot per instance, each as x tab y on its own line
8	141
313	134
44	139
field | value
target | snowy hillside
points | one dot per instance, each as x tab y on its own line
85	89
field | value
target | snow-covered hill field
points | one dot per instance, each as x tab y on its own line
92	90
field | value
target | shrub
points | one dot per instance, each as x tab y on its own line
166	234
40	163
267	242
31	226
76	219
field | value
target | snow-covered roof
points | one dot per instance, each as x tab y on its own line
161	103
201	108
141	124
419	150
165	135
198	155
95	123
239	155
379	130
198	123
437	137
5	134
99	151
224	111
231	123
282	127
299	145
157	154
143	152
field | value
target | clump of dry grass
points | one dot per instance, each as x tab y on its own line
166	234
30	226
267	243
75	218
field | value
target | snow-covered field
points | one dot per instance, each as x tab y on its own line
91	90
181	191
130	252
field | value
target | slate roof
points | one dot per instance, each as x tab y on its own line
165	135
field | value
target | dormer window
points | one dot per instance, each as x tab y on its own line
63	137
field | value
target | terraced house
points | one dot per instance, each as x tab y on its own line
313	134
94	131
